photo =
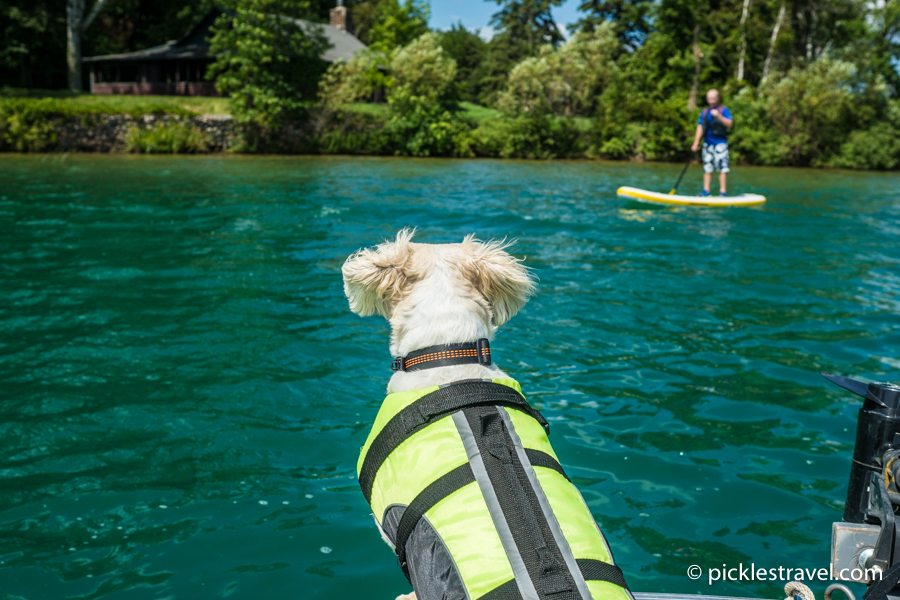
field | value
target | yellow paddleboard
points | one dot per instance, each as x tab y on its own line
646	196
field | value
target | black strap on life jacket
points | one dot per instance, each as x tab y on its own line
591	570
505	591
531	532
433	407
597	570
542	459
476	353
455	480
442	487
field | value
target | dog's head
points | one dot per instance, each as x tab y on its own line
401	280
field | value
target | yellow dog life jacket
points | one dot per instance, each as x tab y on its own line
462	479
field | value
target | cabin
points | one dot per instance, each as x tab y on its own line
178	67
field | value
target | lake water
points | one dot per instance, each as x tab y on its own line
183	391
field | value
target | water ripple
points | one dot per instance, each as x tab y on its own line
185	391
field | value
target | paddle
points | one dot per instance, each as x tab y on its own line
683	171
688	163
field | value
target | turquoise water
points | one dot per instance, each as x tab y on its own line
183	390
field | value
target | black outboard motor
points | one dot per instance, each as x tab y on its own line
877	431
866	546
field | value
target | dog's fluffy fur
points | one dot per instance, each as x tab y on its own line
437	294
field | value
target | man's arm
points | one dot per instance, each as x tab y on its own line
697	137
726	122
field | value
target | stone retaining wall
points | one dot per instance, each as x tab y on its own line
107	133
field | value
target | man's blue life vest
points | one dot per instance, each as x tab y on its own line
465	485
713	128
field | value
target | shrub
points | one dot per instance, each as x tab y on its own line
429	131
811	109
630	126
166	138
376	142
754	138
356	80
421	75
565	81
422	118
875	148
538	136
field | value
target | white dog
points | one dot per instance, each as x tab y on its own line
458	469
437	294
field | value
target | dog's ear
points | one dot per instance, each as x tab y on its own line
375	279
499	277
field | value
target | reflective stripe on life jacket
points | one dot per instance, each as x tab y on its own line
463	480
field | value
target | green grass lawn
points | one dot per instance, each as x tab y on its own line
474	112
380	111
218	106
199	104
478	113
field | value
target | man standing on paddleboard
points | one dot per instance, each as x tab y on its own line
713	127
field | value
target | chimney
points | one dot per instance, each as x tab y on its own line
340	17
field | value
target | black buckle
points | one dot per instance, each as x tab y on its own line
484	358
397	364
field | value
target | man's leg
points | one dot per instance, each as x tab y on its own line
722	166
709	165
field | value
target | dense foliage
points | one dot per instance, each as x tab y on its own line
810	82
166	138
267	63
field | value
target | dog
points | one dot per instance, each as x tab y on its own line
457	468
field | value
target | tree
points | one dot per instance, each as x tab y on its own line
398	24
630	19
355	80
76	24
527	24
883	42
744	13
778	23
363	19
422	74
822	108
419	74
267	63
468	50
565	81
32	43
501	54
126	26
681	26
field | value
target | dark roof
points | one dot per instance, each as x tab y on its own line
195	44
168	51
